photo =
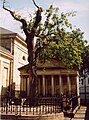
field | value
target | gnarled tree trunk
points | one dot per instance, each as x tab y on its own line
31	49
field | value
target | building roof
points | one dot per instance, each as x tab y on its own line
8	35
5	31
6	53
4	49
52	64
50	67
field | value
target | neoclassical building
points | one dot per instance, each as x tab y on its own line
13	54
5	63
54	79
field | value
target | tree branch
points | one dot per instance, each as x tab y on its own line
36	23
24	24
35	4
12	13
38	17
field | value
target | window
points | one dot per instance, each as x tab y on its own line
24	58
88	80
5	77
82	81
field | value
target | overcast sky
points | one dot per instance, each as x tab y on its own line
26	7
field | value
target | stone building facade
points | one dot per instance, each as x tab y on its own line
13	55
5	62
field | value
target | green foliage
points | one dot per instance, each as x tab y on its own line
57	38
85	57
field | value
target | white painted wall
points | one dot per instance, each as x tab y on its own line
19	51
4	71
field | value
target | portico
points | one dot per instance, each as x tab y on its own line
55	85
53	80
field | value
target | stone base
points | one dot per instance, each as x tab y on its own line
58	116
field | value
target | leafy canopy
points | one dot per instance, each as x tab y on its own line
85	63
57	39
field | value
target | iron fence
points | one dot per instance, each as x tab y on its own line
36	106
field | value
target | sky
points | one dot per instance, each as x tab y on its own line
26	7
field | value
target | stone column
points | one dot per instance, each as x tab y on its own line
43	85
60	84
69	85
77	85
11	71
28	87
11	77
52	85
21	84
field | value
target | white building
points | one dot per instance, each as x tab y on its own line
5	61
13	55
84	89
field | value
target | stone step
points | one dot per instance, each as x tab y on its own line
77	118
79	115
83	108
81	112
66	118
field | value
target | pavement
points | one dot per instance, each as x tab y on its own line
81	114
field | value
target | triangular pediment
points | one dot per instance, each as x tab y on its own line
49	64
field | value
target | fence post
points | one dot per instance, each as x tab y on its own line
16	110
6	105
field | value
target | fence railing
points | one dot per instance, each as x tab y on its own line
35	106
38	106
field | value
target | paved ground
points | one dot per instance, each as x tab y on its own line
81	114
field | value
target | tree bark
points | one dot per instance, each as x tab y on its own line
32	56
